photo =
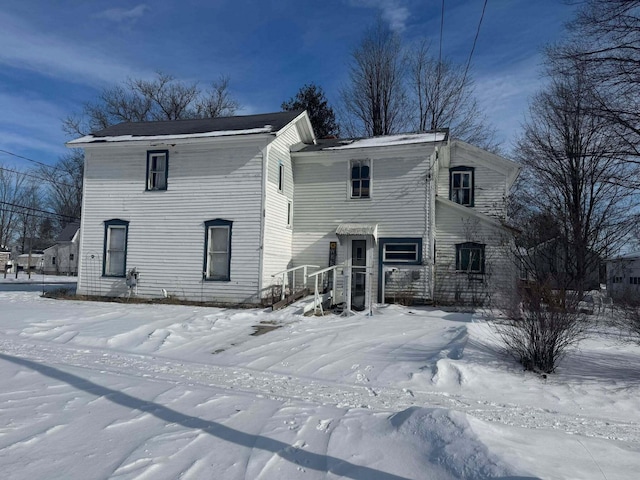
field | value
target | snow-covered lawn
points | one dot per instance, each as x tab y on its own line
101	390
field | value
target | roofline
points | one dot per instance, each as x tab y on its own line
510	168
474	213
362	151
169	139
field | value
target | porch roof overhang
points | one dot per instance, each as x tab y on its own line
351	229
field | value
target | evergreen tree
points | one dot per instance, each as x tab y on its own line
312	99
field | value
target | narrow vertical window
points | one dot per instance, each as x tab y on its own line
360	178
461	185
289	213
218	250
115	248
281	177
157	169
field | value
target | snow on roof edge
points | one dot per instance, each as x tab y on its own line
129	138
390	140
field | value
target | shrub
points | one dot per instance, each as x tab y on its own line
540	328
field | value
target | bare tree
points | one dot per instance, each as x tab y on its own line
163	98
605	41
576	165
12	184
64	187
374	101
444	98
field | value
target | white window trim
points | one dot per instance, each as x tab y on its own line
151	172
210	251
281	175
289	213
393	260
110	250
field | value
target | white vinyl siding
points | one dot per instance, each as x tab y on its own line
166	232
278	235
400	206
489	184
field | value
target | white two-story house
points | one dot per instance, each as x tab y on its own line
211	209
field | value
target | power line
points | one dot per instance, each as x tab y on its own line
30	160
466	68
36	210
37	177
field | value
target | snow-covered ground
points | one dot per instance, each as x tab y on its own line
101	390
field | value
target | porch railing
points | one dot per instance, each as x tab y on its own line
293	271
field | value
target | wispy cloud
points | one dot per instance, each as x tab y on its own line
122	15
28	48
392	11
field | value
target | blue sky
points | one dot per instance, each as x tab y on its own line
56	55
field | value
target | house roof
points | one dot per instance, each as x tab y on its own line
191	128
68	232
382	141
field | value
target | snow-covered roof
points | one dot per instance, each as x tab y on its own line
357	229
627	256
381	141
389	140
191	128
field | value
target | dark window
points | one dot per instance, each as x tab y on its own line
157	169
71	257
217	241
617	279
281	178
360	178
634	280
461	185
115	247
470	257
289	213
53	260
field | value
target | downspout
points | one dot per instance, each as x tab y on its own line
263	205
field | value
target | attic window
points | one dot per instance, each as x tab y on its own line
157	169
461	185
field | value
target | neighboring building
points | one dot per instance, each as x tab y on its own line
30	261
623	277
5	257
211	209
62	257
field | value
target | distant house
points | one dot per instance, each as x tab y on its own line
30	262
62	257
5	257
623	277
213	209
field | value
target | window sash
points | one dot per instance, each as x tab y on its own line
470	259
218	254
400	252
461	188
157	171
360	178
116	245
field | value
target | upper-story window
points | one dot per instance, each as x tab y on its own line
157	169
281	177
360	178
461	185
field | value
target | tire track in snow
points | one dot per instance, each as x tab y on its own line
285	387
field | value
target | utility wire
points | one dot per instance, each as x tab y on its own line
37	210
473	47
30	160
37	177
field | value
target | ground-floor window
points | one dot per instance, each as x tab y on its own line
217	250
115	247
470	257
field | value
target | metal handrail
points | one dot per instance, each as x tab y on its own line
293	269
